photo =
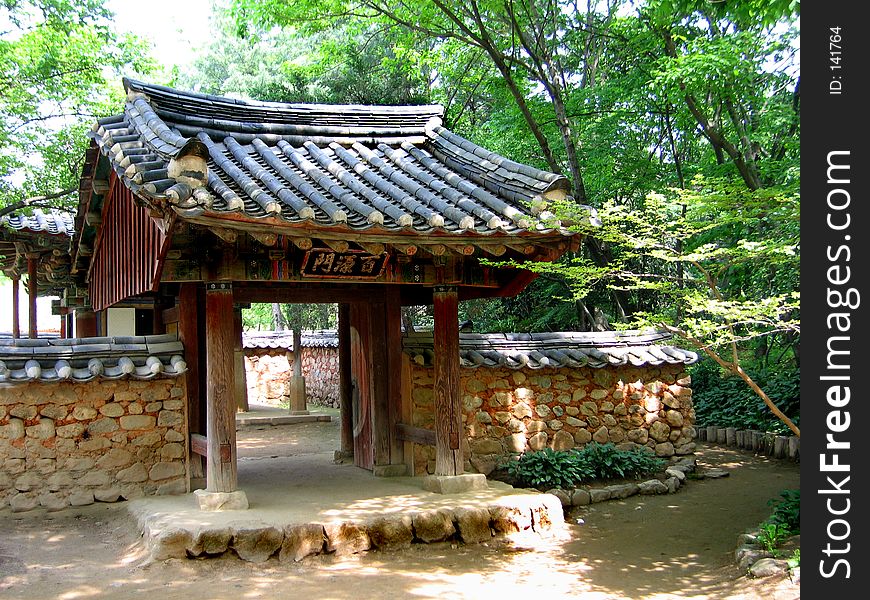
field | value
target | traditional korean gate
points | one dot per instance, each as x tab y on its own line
360	346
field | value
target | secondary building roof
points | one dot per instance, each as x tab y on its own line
45	234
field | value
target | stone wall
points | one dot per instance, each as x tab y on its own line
508	411
268	373
68	443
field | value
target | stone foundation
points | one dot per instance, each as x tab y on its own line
531	514
508	411
268	374
71	444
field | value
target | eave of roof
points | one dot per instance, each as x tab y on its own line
291	168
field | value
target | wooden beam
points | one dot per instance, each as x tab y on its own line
227	235
221	468
188	318
16	325
380	383
436	249
495	249
31	295
372	248
267	239
345	383
239	378
416	435
199	444
449	459
339	246
86	322
524	249
393	326
301	293
303	243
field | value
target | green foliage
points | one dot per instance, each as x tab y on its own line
787	511
606	461
60	66
784	522
724	399
262	316
794	560
547	468
772	535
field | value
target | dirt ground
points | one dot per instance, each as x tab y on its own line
657	547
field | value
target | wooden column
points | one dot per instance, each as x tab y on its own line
86	322
221	471
380	384
31	295
345	384
16	325
241	386
448	414
393	324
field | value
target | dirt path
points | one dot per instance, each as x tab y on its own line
677	546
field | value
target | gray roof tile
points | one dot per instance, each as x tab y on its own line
83	359
367	168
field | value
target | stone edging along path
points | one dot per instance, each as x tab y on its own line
526	513
675	475
255	541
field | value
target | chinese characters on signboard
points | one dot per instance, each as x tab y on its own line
320	262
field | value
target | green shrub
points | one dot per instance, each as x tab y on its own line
772	535
784	522
787	511
606	461
548	468
725	400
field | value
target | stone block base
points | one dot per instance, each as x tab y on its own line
390	470
454	484
216	501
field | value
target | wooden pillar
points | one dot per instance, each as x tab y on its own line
380	377
221	471
31	295
393	324
448	414
16	325
345	383
241	385
86	322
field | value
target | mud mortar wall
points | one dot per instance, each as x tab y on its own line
268	374
70	443
508	411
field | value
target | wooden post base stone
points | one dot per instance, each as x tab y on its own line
218	501
454	484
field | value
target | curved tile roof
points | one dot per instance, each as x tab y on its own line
373	169
53	222
84	359
556	349
324	338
